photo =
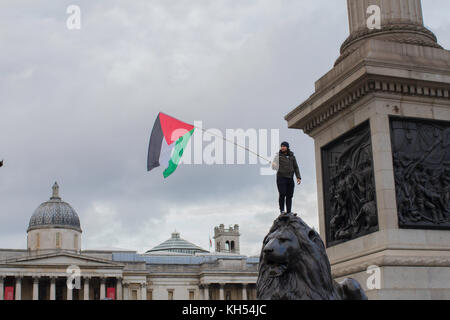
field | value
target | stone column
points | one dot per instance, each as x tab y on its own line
102	288
119	288
86	288
35	288
398	11
69	292
18	288
126	293
244	291
400	21
143	291
2	288
206	292
221	292
53	288
202	292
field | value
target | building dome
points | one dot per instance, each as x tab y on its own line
54	213
176	245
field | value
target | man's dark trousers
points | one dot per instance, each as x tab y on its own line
286	190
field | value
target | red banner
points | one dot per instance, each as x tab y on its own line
9	293
111	293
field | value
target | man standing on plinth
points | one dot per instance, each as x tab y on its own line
286	166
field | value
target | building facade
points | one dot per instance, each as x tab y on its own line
53	267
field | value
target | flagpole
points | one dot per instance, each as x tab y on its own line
232	142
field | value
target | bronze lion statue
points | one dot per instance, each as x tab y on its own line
293	265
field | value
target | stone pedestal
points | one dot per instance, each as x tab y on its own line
380	120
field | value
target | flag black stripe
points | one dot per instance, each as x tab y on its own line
154	148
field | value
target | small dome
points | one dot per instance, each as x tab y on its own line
54	213
176	245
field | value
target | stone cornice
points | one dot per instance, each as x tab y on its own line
391	261
392	27
365	86
373	85
407	33
22	260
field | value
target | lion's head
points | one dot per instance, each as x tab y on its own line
293	264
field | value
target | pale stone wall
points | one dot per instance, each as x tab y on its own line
45	238
377	109
160	288
414	283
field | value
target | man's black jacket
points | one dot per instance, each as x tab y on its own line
287	165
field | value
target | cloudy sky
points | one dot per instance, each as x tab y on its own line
77	107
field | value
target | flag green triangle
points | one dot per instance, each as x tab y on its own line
180	145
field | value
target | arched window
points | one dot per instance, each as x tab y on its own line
58	239
227	246
232	246
38	240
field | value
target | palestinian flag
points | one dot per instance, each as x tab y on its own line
167	143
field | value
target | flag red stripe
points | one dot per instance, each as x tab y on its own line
173	128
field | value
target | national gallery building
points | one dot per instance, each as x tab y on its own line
53	267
